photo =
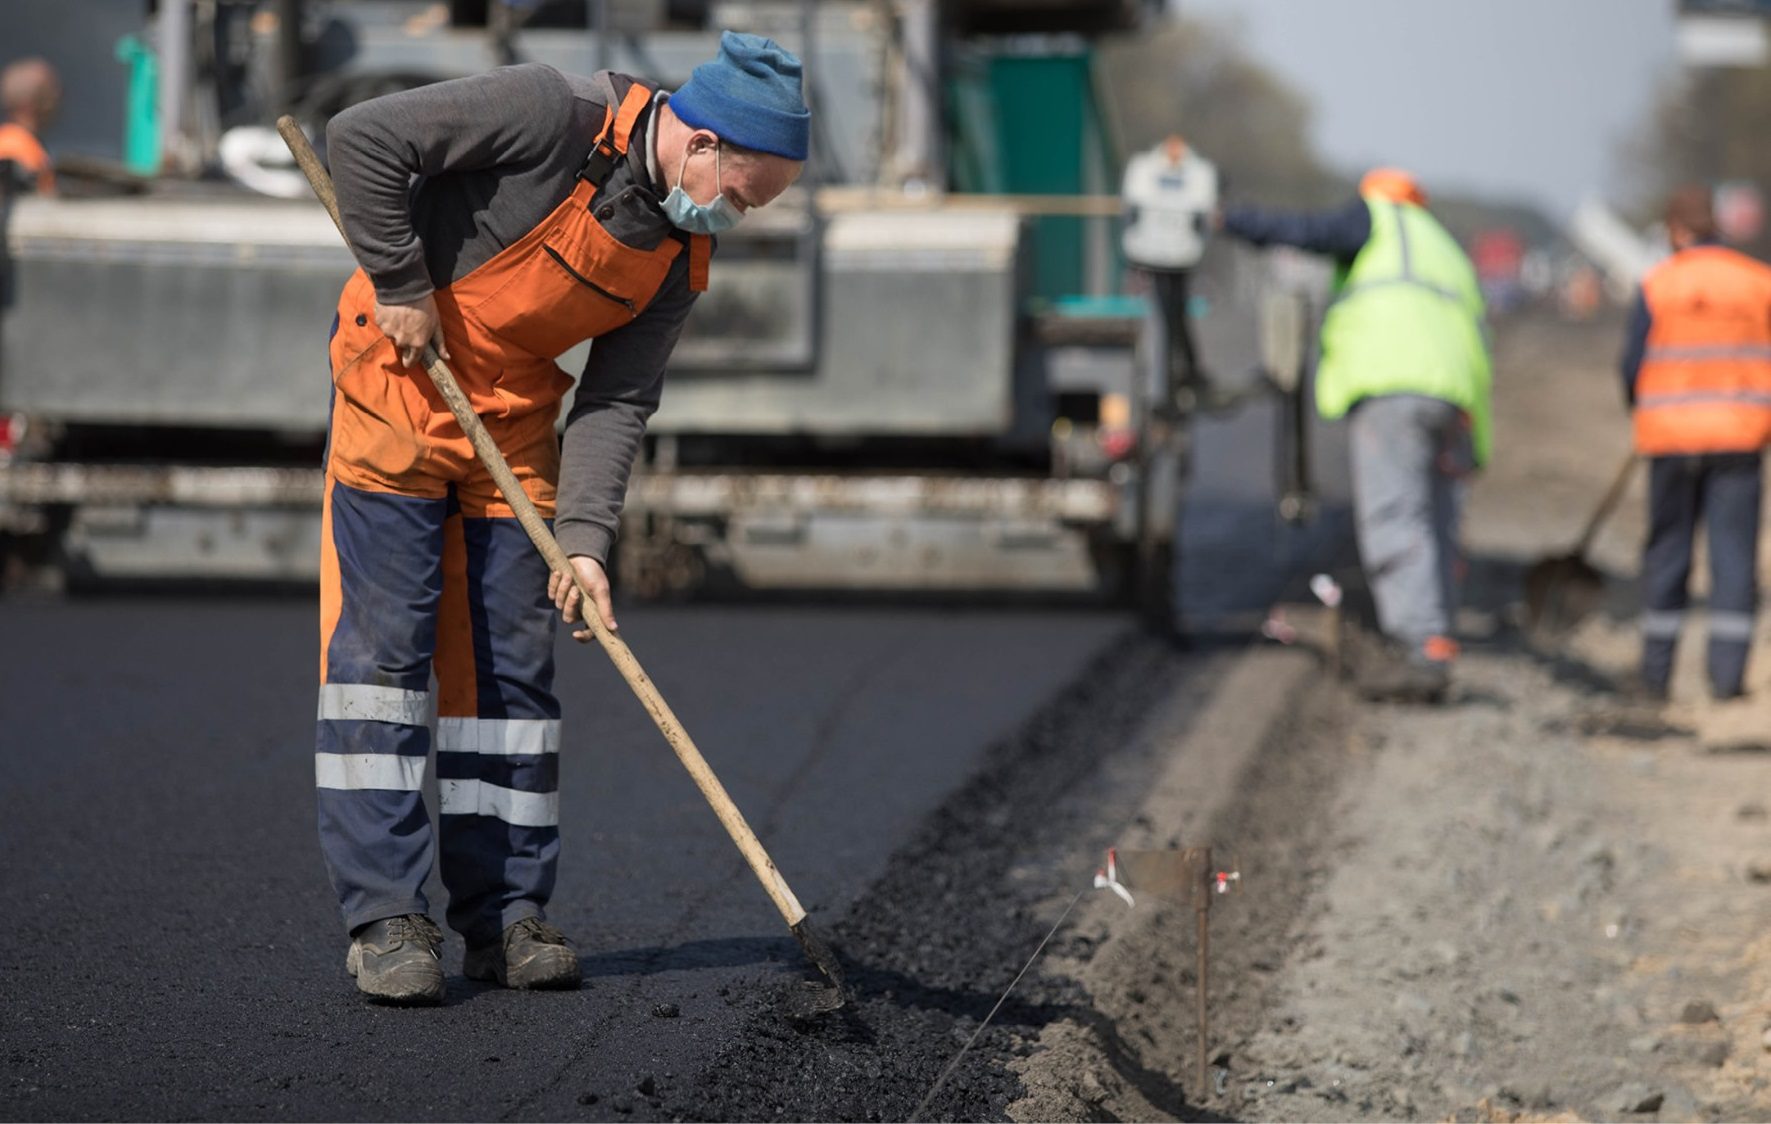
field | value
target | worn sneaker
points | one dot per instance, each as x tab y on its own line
398	960
532	955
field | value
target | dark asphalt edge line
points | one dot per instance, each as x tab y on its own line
963	858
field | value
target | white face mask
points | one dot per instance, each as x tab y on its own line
701	218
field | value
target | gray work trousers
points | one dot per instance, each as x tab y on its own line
1410	456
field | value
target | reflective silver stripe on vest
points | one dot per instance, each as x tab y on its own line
1411	282
1703	352
479	798
1662	624
388	772
503	736
1407	276
1402	233
1733	627
367	703
1706	398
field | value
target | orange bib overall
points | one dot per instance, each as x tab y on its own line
506	322
423	566
22	149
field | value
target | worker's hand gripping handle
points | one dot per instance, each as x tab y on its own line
619	653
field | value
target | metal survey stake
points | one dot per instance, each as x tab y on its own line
1198	860
816	948
1187	875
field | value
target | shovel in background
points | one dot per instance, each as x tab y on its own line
1561	591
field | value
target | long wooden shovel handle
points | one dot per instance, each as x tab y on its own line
619	653
1613	494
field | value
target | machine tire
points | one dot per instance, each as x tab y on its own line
1155	596
1147	589
34	560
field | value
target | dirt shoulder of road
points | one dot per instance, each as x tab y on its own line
1529	904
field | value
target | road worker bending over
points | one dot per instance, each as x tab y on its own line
1405	359
548	209
1697	371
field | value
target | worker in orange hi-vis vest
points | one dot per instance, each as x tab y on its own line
1697	370
30	94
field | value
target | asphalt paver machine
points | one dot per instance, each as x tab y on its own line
918	372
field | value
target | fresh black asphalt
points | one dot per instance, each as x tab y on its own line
171	946
171	949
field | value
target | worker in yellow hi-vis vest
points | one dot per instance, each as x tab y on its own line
1405	359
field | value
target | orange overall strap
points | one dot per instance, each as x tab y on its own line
611	143
700	253
635	103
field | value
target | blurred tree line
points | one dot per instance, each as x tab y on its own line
1197	79
1710	125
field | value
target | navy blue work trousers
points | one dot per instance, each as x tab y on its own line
1722	490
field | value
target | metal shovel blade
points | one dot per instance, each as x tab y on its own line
1560	593
834	993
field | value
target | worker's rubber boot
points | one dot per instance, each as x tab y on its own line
1405	676
532	955
398	960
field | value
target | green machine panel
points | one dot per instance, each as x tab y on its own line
1028	124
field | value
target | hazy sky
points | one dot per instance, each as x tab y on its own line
1513	97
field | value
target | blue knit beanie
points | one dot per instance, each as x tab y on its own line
749	95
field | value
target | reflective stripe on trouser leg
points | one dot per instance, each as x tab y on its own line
379	585
498	728
1395	442
1731	500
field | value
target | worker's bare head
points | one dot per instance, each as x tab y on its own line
30	92
1690	215
738	129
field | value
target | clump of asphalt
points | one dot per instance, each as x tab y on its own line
931	946
933	943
